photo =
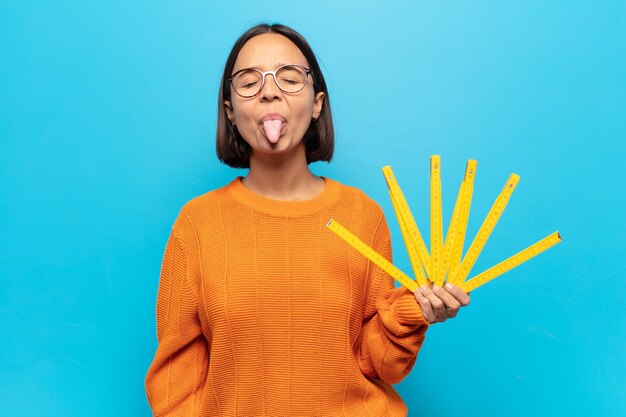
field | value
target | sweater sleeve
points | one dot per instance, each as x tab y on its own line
176	378
393	327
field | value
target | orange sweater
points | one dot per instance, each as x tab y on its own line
263	311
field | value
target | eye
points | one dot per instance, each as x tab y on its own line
246	79
249	84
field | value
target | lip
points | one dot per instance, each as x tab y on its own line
272	116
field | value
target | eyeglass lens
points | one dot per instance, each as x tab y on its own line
290	79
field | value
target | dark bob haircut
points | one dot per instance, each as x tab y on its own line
319	138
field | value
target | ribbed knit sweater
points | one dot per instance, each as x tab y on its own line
263	311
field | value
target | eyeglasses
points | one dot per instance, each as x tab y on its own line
290	78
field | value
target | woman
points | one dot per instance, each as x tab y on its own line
261	310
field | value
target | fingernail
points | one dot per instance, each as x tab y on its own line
436	288
448	286
422	288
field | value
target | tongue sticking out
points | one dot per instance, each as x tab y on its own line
272	129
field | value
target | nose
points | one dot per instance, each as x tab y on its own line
270	89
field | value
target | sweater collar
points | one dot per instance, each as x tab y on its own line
285	208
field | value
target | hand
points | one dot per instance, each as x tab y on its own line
439	304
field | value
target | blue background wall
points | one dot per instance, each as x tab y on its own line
107	124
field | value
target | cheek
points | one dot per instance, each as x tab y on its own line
305	107
243	117
243	114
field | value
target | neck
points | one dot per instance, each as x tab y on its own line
283	177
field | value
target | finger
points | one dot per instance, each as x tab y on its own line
451	303
427	309
439	308
458	293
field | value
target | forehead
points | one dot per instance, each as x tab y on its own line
267	52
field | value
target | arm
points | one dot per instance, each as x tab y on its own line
176	378
393	324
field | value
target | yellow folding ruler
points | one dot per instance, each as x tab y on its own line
418	254
459	275
444	261
512	262
436	218
371	254
456	232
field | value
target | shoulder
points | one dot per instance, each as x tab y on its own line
364	214
205	201
361	199
201	211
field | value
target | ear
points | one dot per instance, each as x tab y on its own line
317	104
228	108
